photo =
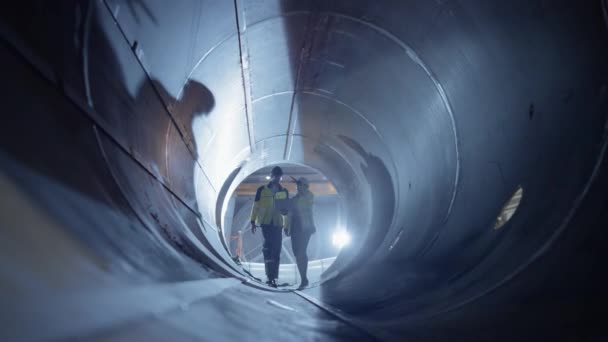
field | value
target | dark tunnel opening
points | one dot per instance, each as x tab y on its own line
467	142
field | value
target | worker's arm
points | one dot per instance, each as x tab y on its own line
256	208
287	224
287	215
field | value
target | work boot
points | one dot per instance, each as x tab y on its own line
273	283
303	284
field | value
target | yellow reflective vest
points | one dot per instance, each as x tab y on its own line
300	215
269	208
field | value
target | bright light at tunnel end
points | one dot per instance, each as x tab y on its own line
340	238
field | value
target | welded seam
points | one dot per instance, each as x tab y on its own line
349	107
411	53
605	10
328	96
261	98
194	34
305	52
85	54
354	112
245	71
148	76
44	70
202	59
225	39
12	41
215	258
48	74
337	314
448	106
363	117
547	245
189	58
282	15
137	160
183	136
122	192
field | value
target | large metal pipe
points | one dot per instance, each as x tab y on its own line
127	124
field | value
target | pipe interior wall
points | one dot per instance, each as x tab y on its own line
128	125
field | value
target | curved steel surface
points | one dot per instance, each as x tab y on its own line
128	126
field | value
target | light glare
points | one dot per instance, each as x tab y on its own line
340	238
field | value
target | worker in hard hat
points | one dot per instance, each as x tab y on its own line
270	212
301	226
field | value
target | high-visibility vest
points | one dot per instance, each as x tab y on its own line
269	208
300	215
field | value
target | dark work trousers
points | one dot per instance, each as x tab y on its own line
299	243
273	237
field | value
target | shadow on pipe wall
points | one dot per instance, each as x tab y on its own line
100	131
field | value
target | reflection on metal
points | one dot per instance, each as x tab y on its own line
279	305
508	210
245	73
605	8
115	199
289	272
